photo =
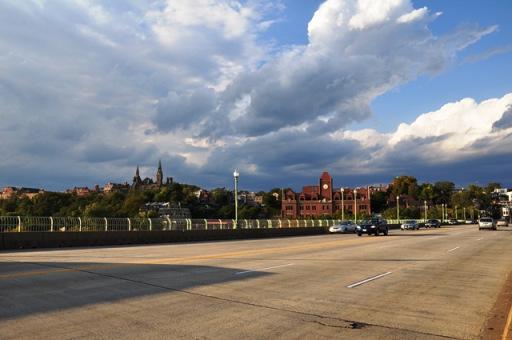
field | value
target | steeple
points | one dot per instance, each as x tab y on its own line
159	174
137	181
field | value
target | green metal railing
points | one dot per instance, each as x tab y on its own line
85	224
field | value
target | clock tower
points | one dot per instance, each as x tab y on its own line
326	186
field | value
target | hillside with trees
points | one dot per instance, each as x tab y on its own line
413	197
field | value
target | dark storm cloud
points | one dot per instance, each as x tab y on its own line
180	111
287	158
480	169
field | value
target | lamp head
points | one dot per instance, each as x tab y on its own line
236	174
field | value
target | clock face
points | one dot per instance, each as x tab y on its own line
325	186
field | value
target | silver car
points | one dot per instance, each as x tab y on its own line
343	227
486	223
410	224
502	223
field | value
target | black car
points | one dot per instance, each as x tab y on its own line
375	226
432	224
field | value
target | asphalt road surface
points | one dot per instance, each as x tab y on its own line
439	283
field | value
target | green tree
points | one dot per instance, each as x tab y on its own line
379	201
249	212
443	192
405	185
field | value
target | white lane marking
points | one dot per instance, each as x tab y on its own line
480	239
368	280
453	249
255	270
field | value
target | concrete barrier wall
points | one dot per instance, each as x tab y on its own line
29	240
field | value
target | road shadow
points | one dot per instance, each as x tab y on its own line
32	288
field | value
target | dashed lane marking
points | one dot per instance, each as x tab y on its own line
368	280
260	269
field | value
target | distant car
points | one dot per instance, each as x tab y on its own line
502	223
343	227
375	226
410	224
432	224
486	223
453	221
469	222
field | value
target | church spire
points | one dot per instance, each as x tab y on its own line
159	174
137	181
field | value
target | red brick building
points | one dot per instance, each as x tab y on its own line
323	200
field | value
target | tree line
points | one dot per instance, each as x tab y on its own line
130	203
412	199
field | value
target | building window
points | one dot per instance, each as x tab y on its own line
314	207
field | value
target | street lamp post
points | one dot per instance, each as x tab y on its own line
456	215
398	208
236	174
355	206
342	205
464	213
442	212
425	204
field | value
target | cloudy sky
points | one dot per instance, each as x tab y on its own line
281	90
